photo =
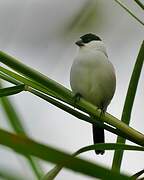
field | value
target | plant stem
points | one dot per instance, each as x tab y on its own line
68	109
66	96
130	12
26	146
126	114
16	124
140	3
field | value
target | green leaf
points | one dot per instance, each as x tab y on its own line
101	146
26	146
52	173
66	96
61	105
16	123
6	74
75	113
12	90
109	146
31	73
129	11
140	3
126	114
66	108
135	176
9	79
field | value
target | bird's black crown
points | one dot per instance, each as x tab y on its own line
89	37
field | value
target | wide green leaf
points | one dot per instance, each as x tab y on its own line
101	146
26	146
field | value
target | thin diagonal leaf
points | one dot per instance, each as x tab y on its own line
24	80
71	110
126	115
9	79
26	146
75	113
12	90
52	173
129	11
18	127
140	3
135	176
68	109
101	146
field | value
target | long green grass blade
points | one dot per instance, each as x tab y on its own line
109	146
101	146
129	11
23	80
126	115
12	90
26	146
135	176
75	113
16	123
68	109
52	173
67	96
9	79
140	3
31	73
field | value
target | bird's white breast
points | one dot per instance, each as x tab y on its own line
93	76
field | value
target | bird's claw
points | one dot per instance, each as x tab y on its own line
76	98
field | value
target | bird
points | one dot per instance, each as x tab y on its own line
93	77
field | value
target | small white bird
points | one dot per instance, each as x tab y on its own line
93	77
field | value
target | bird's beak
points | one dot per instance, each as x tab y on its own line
80	43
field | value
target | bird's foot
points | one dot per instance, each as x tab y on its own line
76	98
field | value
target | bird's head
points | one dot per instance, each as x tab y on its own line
87	39
91	42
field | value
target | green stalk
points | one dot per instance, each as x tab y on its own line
140	3
67	96
130	12
24	80
12	90
33	74
9	79
126	114
101	146
26	146
18	127
68	109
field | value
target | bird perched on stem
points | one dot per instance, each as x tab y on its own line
93	77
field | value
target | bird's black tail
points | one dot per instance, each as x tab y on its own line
98	137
